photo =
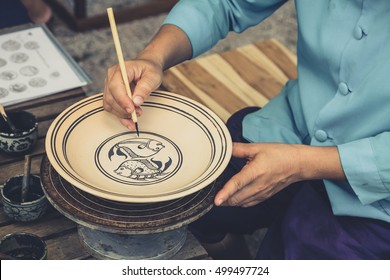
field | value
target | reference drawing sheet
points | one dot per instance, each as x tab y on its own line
33	64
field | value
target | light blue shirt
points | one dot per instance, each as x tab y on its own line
342	94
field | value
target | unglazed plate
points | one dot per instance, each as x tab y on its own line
182	147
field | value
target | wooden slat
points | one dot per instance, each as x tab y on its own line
259	78
50	111
44	227
176	85
17	168
66	247
281	56
228	81
207	83
257	57
50	99
226	74
204	97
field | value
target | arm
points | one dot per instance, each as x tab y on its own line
207	21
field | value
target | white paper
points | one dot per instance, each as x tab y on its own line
32	66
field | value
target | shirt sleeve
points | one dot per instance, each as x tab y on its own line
205	22
366	164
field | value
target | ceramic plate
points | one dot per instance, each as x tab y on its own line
182	147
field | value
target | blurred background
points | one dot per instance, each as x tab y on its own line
94	49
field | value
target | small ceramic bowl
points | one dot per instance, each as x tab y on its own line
23	246
35	204
22	141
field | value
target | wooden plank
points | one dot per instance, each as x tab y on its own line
206	99
43	126
228	81
58	97
207	83
66	247
257	57
173	84
44	227
226	74
258	78
280	55
17	168
50	111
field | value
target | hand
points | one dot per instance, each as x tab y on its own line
144	77
270	168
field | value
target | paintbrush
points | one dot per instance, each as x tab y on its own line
26	177
8	120
119	53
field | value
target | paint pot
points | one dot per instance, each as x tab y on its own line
23	246
35	204
26	136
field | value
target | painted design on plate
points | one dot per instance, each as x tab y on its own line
133	160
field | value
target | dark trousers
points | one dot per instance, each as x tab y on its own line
299	219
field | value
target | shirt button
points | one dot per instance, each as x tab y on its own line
321	135
358	33
343	88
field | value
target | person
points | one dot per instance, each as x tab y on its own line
313	164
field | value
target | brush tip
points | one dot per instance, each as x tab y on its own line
136	128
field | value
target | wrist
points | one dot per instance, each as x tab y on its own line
319	163
152	57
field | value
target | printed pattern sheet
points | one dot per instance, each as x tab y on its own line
32	66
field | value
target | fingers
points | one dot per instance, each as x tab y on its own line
241	179
150	80
243	150
115	94
234	185
144	77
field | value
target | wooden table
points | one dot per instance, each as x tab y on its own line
59	232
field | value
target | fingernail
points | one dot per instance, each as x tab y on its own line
138	100
219	201
128	110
